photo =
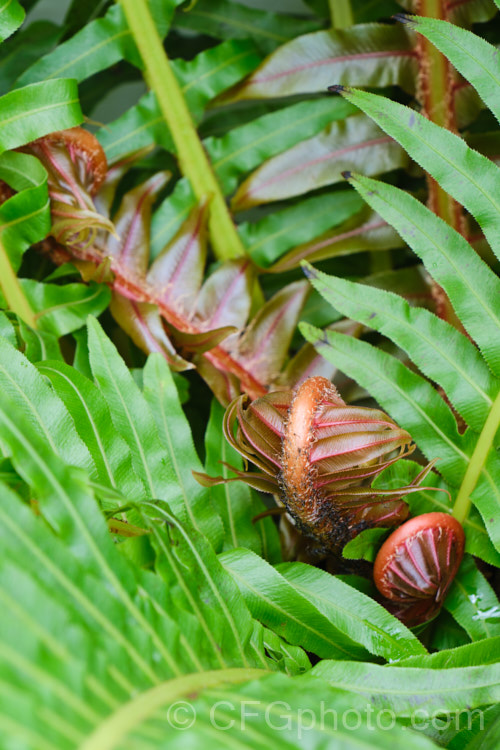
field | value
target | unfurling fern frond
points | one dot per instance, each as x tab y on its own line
449	400
142	609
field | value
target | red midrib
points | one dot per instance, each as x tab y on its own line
332	61
136	217
214	319
326	157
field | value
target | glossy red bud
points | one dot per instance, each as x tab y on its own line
417	564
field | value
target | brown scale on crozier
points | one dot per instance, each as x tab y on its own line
308	506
